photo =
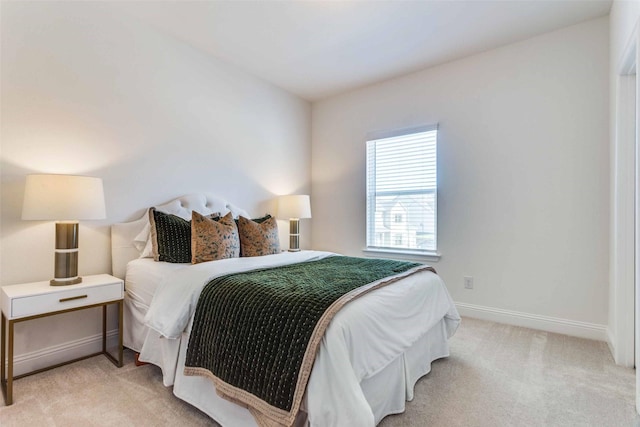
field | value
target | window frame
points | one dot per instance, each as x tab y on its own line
410	253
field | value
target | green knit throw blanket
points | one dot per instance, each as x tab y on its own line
252	329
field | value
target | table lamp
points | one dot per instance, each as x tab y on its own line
65	199
293	208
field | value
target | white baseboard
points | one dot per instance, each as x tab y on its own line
70	350
620	356
611	342
534	321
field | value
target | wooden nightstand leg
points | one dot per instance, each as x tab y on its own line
3	355
9	399
3	346
119	360
104	328
6	384
120	331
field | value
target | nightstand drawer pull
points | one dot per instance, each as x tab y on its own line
72	298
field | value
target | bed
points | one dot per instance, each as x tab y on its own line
367	363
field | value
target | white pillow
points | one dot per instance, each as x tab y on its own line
147	252
142	241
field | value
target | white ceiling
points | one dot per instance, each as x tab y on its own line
316	49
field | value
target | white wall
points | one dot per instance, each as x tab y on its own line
89	91
523	174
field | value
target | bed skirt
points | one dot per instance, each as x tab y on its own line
387	391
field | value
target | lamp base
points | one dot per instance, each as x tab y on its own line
66	254
58	282
294	235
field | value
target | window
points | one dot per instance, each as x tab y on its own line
402	191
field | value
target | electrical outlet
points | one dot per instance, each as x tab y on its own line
468	282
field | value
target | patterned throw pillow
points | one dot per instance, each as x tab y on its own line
258	239
170	237
213	239
258	220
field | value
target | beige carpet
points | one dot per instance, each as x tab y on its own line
497	375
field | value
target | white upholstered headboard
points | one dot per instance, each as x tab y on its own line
123	246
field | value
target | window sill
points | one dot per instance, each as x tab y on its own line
402	254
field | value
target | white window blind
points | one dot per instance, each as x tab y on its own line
402	191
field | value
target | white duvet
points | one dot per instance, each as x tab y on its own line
363	338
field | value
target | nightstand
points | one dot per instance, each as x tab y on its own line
29	301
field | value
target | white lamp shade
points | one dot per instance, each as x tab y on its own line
63	197
296	206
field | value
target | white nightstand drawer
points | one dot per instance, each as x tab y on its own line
29	299
57	301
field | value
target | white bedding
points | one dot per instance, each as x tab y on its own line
371	335
142	278
144	275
